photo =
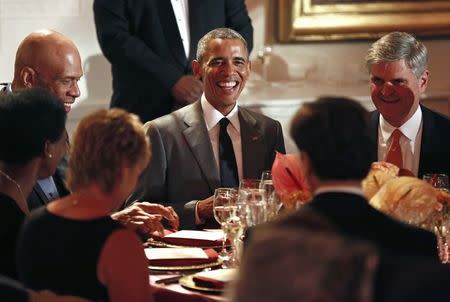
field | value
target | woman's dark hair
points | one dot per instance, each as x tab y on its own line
29	118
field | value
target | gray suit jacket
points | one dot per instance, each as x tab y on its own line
183	168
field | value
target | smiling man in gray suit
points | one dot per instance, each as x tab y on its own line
189	160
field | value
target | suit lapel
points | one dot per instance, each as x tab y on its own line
427	145
40	193
170	28
198	140
252	145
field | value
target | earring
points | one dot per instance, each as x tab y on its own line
50	155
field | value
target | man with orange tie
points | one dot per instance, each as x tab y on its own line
408	134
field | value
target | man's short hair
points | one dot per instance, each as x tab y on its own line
336	134
218	33
399	46
28	119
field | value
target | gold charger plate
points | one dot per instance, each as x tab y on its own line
188	282
185	268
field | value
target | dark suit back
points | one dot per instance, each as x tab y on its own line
354	217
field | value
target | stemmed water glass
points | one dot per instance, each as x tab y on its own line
439	181
272	199
224	207
440	221
252	202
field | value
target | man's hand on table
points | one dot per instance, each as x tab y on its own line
146	217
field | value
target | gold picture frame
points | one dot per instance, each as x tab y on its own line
318	20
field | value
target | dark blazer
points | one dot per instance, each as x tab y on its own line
141	40
183	168
435	145
38	198
354	217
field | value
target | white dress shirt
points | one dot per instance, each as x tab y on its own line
409	141
181	12
212	118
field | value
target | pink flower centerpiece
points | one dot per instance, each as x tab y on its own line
289	181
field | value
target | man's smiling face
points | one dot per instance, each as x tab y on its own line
224	69
396	91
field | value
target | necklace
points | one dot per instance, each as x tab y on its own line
17	185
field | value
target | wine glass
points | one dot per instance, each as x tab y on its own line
440	221
224	207
439	181
249	183
272	198
252	206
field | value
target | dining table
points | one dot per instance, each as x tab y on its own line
175	292
168	283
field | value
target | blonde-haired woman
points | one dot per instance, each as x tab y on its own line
72	246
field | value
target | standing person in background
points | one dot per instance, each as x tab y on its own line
106	260
151	44
213	142
408	134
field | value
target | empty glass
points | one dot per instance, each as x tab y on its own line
249	183
252	206
440	221
272	198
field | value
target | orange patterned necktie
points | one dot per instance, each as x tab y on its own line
394	154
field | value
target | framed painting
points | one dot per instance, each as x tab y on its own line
314	20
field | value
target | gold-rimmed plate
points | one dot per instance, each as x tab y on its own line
188	282
186	267
155	243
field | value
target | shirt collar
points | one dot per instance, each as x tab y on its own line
212	116
409	129
340	189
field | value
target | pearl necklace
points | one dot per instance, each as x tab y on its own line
17	185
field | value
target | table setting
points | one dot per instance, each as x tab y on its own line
198	265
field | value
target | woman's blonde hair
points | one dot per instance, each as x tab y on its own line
103	143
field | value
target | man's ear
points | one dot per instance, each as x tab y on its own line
423	81
28	77
197	69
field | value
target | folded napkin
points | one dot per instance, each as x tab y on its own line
191	238
215	279
179	256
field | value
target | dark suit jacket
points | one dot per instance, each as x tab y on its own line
435	145
38	198
354	217
141	40
183	167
